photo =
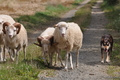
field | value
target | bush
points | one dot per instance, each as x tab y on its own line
111	2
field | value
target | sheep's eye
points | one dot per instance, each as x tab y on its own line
14	30
66	28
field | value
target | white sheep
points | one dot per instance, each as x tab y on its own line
45	41
3	18
68	36
15	39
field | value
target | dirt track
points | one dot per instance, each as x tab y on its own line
90	67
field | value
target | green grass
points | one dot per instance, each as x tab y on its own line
26	69
41	19
112	13
82	16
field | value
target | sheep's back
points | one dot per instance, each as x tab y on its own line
22	36
74	34
48	32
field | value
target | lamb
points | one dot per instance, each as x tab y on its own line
68	36
3	18
45	41
15	39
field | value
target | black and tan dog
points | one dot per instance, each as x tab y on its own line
106	47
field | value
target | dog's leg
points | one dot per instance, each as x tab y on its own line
102	56
108	57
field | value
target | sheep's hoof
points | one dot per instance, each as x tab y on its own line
71	68
108	61
1	60
102	61
66	69
55	65
63	65
13	59
4	60
76	66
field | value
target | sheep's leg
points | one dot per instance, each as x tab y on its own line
44	58
56	57
59	56
66	62
1	55
71	60
17	54
50	58
24	51
4	53
12	54
77	58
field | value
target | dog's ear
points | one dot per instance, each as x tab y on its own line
102	38
111	39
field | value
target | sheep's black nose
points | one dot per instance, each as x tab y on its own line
63	35
10	36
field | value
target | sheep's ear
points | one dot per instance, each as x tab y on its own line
1	22
37	44
51	39
6	24
17	25
55	43
56	25
39	41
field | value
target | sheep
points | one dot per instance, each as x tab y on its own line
45	41
15	39
3	18
68	36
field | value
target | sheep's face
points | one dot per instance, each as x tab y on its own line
62	27
45	45
11	30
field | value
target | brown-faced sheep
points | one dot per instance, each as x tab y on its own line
3	18
45	41
68	36
15	39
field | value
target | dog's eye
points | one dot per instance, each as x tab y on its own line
107	44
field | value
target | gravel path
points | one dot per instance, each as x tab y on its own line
90	67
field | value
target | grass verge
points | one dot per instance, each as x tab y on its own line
112	12
26	69
82	16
